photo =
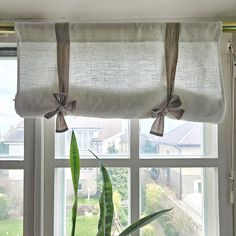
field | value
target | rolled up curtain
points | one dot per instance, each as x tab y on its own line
119	70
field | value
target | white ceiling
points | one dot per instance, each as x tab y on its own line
117	9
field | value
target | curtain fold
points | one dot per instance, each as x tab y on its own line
119	70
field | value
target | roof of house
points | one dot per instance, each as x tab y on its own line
189	133
105	129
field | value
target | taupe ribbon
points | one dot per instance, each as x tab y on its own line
63	106
173	107
63	57
173	103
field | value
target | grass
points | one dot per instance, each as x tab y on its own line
86	226
11	228
86	201
83	200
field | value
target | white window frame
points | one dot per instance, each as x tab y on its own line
134	164
39	167
222	163
27	164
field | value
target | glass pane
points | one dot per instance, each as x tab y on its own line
11	202
11	125
89	192
106	137
181	138
191	192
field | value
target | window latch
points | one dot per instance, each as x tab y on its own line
231	179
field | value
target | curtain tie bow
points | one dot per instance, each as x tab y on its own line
63	106
173	108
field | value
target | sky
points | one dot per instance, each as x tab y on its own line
8	86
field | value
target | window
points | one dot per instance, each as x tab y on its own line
16	187
163	172
187	169
105	137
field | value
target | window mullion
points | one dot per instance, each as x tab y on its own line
29	171
14	165
158	163
48	200
38	189
134	175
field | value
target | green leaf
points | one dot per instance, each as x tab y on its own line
102	218
105	203
74	214
75	173
74	162
142	222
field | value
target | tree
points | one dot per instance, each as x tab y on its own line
3	208
148	147
153	196
119	178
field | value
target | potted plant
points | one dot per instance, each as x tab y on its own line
106	198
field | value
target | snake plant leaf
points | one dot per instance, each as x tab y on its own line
75	173
74	214
142	222
105	203
102	218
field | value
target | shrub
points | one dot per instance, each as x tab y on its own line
154	195
148	230
3	208
2	190
123	215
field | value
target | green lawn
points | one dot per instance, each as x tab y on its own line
86	226
11	228
91	201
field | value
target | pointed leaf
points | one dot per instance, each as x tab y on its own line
142	222
74	215
75	173
102	218
105	203
108	200
74	162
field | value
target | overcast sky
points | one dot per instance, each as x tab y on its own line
8	85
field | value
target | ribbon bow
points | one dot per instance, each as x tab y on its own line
173	107
63	105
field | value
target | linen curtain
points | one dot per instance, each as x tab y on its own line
119	70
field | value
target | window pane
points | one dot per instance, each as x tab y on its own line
89	192
191	192
181	138
11	202
11	125
106	137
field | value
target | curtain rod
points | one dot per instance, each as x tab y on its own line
9	27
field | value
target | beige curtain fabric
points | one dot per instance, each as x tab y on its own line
173	102
120	71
